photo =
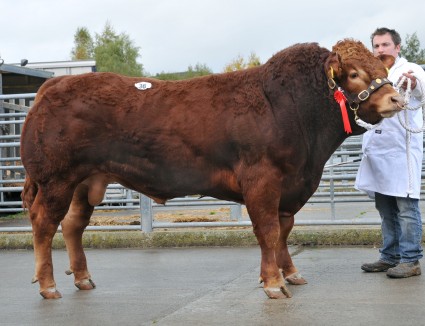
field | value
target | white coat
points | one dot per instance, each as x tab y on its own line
385	164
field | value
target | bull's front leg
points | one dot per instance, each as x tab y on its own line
262	208
283	258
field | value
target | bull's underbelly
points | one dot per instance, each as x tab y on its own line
162	182
165	181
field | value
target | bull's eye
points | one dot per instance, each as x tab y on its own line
354	75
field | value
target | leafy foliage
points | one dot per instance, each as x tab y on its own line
116	53
197	71
84	46
239	63
412	49
113	52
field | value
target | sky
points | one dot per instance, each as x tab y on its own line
173	35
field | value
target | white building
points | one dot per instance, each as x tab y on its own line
60	68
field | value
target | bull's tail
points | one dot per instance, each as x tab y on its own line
28	193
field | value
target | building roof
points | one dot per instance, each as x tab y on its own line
18	80
61	64
7	68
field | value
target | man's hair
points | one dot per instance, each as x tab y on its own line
383	30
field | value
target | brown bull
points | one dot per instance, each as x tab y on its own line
260	137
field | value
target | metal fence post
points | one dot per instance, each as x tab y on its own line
236	212
146	213
332	190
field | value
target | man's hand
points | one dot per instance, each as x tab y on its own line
410	76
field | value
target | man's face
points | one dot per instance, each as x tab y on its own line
383	44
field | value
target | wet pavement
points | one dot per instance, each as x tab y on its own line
209	286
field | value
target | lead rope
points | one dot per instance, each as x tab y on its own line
407	94
364	124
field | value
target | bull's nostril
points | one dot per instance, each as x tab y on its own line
399	101
400	106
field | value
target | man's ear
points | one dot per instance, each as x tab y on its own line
387	60
333	66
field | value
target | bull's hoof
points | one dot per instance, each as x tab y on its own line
296	279
278	293
50	293
86	284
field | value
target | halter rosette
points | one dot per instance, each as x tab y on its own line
341	99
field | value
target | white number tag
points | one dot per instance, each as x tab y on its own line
143	86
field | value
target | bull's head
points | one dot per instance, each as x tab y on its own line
363	80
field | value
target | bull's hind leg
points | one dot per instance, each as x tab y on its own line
283	258
73	226
46	214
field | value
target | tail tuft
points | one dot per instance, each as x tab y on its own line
28	193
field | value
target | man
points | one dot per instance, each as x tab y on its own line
390	170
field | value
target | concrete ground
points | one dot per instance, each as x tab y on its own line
207	283
210	286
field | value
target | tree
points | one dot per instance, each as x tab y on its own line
239	63
412	49
253	60
116	53
112	52
83	45
198	70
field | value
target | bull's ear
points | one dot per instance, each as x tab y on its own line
388	60
333	66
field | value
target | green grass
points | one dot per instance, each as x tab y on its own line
19	215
